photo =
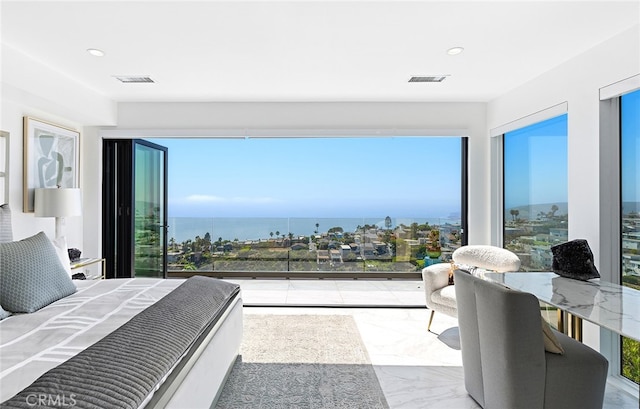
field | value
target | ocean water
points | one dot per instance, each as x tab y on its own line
255	228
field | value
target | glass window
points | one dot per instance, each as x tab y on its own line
630	212
306	205
535	191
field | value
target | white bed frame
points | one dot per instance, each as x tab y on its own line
197	381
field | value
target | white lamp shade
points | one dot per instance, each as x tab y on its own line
57	202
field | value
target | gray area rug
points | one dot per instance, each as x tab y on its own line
302	361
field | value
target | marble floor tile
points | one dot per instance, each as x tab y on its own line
413	387
311	297
261	297
416	368
261	284
374	297
315	285
410	298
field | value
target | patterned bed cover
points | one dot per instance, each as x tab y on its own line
103	367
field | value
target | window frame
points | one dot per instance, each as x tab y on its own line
611	213
497	166
463	135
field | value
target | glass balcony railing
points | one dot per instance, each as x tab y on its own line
281	246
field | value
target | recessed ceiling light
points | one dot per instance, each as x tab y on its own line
95	52
455	50
429	78
128	79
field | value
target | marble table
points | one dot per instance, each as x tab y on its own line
611	306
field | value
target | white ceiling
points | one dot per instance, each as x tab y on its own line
309	50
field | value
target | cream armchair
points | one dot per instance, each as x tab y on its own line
440	296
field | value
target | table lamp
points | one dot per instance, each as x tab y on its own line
58	203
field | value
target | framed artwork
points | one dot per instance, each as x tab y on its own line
4	167
51	158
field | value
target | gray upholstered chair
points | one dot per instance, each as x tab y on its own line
440	296
503	354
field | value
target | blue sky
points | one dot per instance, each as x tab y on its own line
314	177
535	168
631	147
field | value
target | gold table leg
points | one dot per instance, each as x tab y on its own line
570	325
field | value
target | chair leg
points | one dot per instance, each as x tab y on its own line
430	320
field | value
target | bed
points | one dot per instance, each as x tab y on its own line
120	343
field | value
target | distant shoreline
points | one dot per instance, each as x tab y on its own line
260	228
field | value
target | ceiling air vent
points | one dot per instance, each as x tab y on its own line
131	79
431	78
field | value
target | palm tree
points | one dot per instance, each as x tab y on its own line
271	234
387	222
317	226
513	214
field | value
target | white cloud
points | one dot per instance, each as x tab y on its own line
222	200
204	199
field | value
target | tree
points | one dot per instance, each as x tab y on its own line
317	227
387	222
554	209
271	234
414	230
513	214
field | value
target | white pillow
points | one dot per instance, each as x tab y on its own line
6	234
487	257
551	343
3	314
63	253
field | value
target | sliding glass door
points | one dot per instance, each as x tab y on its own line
150	209
134	208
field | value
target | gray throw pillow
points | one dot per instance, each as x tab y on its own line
31	275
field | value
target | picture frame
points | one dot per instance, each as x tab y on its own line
51	158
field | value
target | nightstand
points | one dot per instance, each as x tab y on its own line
85	265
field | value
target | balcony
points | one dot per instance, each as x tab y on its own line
302	248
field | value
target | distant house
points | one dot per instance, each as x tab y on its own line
335	256
173	256
299	246
367	250
559	234
322	256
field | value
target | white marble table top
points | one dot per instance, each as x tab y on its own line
609	305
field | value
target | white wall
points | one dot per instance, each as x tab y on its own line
577	82
25	224
29	88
